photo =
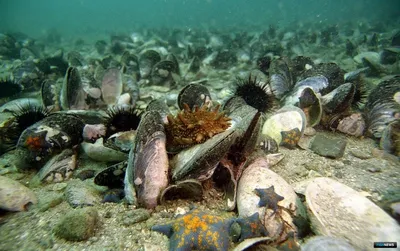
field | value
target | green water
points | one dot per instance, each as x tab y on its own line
86	17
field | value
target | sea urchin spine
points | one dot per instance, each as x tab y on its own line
254	93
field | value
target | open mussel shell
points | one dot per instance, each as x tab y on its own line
72	94
75	59
390	141
58	168
146	62
286	126
171	57
280	78
130	62
147	171
112	176
162	72
49	94
339	99
193	95
199	161
331	71
194	65
99	152
305	98
317	83
186	189
111	86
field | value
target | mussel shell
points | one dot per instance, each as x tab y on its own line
318	83
328	242
199	161
331	71
27	54
382	106
146	62
101	152
390	141
57	62
49	94
111	85
186	189
147	171
51	135
339	99
280	78
161	74
305	98
193	95
112	176
75	59
172	57
130	62
100	46
285	120
161	106
72	90
194	65
384	92
28	75
59	167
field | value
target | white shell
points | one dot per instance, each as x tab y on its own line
99	152
14	196
286	119
339	211
258	175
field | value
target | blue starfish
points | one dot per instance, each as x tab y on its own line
251	227
268	198
197	230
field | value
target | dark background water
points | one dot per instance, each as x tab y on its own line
35	17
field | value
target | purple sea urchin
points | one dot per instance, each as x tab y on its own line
9	88
254	93
28	115
121	119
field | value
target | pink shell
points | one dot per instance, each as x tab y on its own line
111	86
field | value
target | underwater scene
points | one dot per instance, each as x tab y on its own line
200	125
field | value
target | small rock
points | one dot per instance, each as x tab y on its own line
50	203
328	147
374	169
78	193
304	142
135	216
14	196
77	225
309	131
360	154
59	186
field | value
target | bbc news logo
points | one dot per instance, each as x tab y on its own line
385	244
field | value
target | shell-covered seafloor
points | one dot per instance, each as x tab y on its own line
207	138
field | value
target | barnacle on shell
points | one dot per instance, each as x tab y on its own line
191	127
